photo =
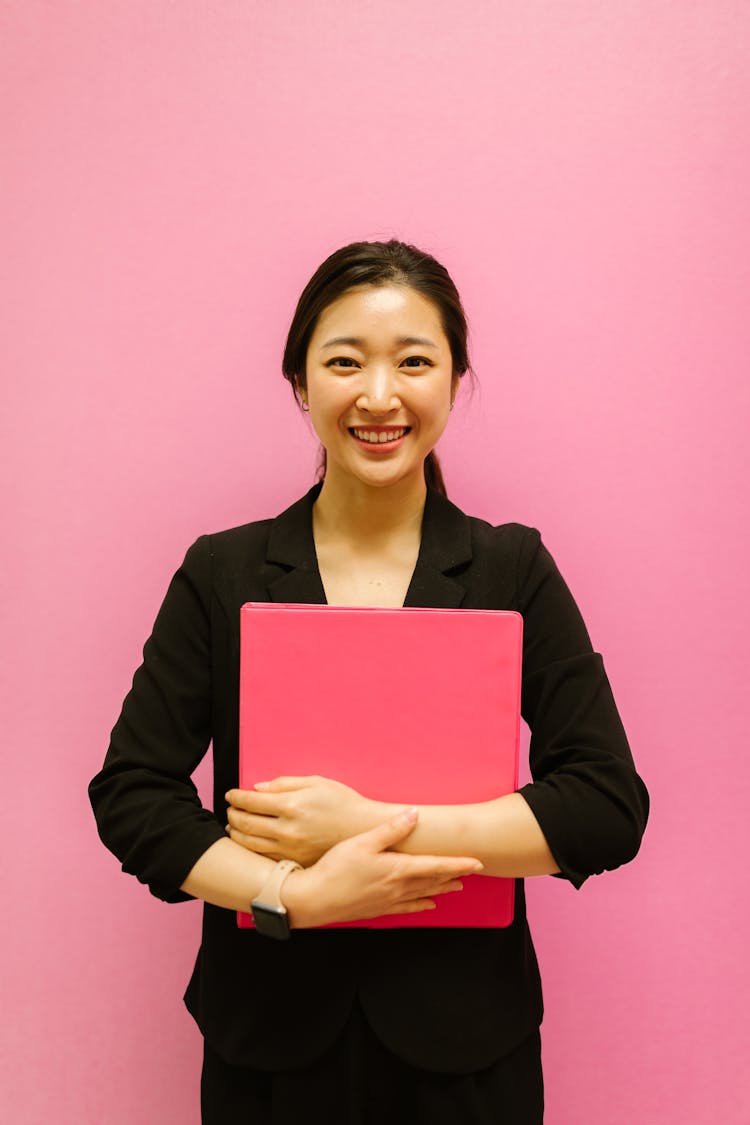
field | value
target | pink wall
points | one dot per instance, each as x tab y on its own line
173	173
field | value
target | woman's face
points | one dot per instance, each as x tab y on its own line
379	383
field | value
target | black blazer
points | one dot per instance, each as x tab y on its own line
447	1000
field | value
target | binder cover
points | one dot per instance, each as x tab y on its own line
408	705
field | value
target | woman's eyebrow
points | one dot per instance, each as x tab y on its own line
358	342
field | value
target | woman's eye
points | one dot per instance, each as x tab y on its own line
417	359
340	361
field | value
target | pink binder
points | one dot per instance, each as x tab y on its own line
414	706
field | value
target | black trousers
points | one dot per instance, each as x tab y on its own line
358	1081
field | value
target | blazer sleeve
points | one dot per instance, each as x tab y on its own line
147	809
586	794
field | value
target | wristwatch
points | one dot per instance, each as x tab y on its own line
269	913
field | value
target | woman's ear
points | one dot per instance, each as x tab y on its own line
455	380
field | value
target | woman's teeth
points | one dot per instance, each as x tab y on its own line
378	437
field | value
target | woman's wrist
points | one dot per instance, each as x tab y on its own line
299	895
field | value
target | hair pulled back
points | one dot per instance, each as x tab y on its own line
377	263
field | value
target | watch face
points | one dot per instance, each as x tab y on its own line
271	923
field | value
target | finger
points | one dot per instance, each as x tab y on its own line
284	784
392	831
431	888
247	800
445	888
253	843
424	900
439	867
412	906
253	825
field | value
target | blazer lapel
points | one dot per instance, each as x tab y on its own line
444	550
291	549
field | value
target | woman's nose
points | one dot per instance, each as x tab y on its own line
379	392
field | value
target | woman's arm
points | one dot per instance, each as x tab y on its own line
227	876
586	794
147	809
300	818
504	834
358	878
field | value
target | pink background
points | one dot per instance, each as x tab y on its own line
173	172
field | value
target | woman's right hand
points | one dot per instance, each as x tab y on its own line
359	878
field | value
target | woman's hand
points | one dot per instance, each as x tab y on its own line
297	818
360	879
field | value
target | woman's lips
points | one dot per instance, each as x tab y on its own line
381	445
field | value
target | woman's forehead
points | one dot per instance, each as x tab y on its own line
379	308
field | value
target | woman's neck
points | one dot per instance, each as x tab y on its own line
346	509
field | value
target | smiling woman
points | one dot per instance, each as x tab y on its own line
430	1025
378	406
380	308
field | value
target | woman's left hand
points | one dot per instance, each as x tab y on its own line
297	818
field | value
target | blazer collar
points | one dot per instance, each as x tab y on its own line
445	547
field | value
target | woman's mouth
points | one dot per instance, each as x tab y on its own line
379	439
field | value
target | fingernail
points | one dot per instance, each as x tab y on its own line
410	815
478	867
261	785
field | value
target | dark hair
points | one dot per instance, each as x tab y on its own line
377	263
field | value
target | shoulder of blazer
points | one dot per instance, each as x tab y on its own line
281	538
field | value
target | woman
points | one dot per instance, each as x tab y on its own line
367	1025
